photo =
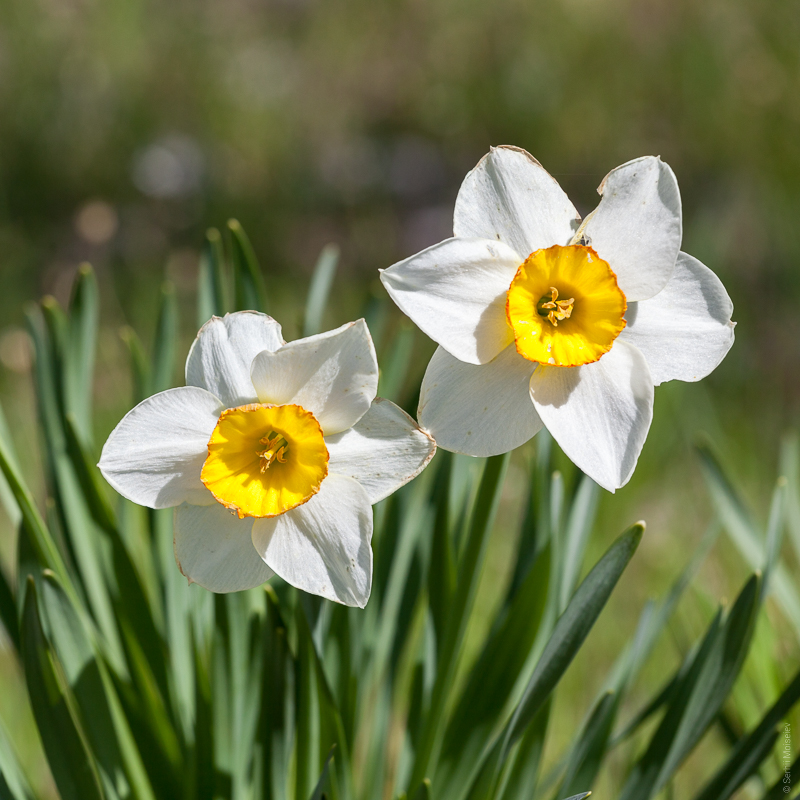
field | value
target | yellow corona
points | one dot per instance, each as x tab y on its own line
264	460
564	306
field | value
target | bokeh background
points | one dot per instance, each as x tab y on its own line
128	127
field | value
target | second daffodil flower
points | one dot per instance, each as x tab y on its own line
544	319
272	456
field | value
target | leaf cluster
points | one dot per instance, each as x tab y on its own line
144	687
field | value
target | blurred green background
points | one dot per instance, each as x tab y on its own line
130	127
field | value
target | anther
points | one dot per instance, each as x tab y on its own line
553	308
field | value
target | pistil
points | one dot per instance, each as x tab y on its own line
274	450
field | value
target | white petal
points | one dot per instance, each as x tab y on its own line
323	547
599	413
220	357
383	451
456	292
155	455
685	330
637	227
333	375
478	410
215	549
510	197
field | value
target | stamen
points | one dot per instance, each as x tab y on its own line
275	450
553	308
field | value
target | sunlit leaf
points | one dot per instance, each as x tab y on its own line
69	753
319	291
248	281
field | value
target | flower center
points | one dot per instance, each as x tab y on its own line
565	332
552	308
264	460
275	450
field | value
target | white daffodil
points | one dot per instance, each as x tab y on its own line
546	320
272	456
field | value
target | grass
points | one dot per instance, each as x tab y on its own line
667	491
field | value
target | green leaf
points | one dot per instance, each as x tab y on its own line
524	765
151	725
568	635
202	756
91	549
211	285
492	679
652	623
309	748
751	545
131	581
89	477
749	764
84	313
320	717
423	791
278	703
662	697
579	525
442	569
33	525
221	691
140	365
586	755
239	643
56	332
415	522
7	498
188	618
774	534
697	695
572	628
85	540
536	529
14	784
55	710
317	794
641	781
556	537
165	341
395	366
377	312
27	565
469	571
666	608
341	653
751	749
320	289
104	725
790	468
8	610
716	678
246	622
249	290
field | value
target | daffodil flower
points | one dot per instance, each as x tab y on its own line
272	455
546	320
